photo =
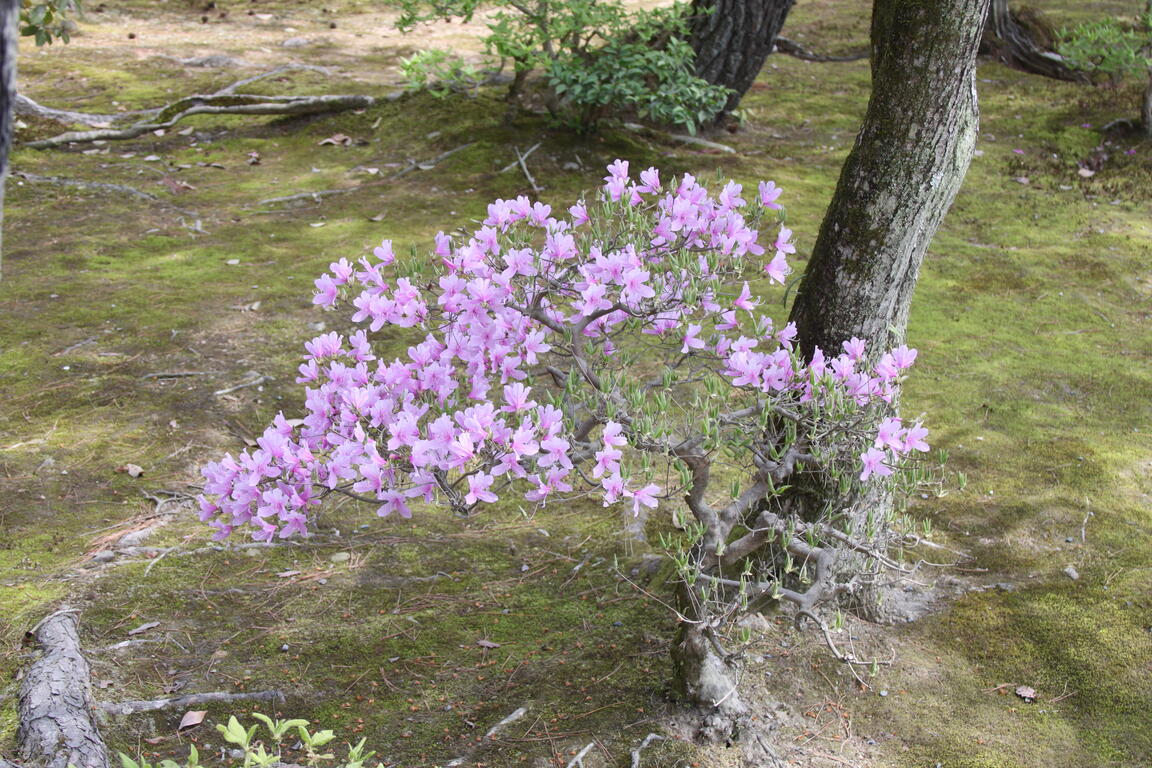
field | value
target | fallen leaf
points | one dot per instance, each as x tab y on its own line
377	217
132	470
176	186
287	574
144	628
337	140
487	644
1025	692
1086	173
154	740
191	719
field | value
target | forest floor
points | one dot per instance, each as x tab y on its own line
126	325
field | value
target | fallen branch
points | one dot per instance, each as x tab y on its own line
516	162
215	104
579	759
191	700
26	106
645	130
643	745
56	728
524	167
412	166
278	70
494	731
96	185
794	49
177	374
260	379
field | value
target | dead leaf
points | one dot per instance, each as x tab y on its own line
132	470
1022	180
1025	692
377	217
287	574
154	740
144	628
191	719
487	644
338	140
1086	173
174	686
176	186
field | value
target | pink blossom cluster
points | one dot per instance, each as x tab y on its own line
526	307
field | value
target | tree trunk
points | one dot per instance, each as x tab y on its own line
1146	107
703	678
1024	40
900	178
732	38
9	12
908	162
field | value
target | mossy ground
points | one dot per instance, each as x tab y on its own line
1032	319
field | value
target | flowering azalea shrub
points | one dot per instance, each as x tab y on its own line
617	352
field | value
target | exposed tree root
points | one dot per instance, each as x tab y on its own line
794	49
191	700
223	102
56	728
26	106
93	185
1023	39
226	104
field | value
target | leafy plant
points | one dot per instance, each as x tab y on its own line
440	73
257	754
649	71
49	20
1115	50
596	56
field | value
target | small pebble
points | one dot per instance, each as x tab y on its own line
883	693
1072	573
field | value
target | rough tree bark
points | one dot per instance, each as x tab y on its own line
900	178
732	38
906	167
9	11
56	728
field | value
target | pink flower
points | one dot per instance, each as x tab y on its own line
778	268
914	438
854	348
782	245
691	341
769	192
478	486
874	464
384	252
744	300
646	497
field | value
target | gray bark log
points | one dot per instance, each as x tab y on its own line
55	707
9	12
